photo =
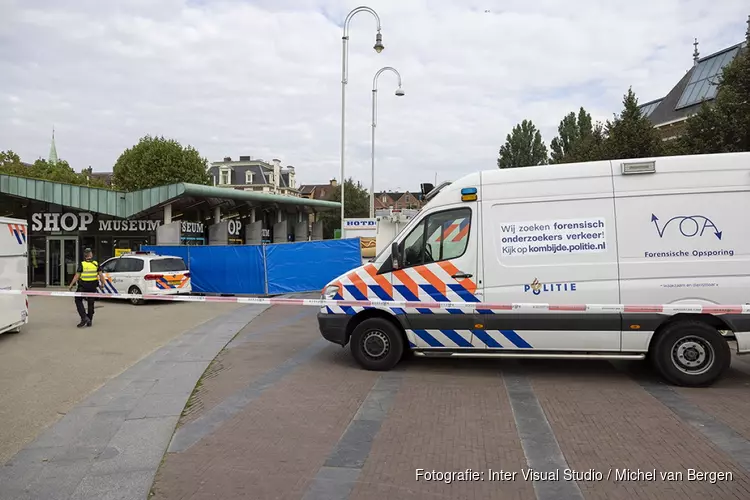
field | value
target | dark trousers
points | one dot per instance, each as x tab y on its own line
88	287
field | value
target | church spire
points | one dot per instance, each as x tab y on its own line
52	149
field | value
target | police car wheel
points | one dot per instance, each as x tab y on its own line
377	344
691	353
134	290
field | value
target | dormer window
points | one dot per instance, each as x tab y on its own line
248	177
224	176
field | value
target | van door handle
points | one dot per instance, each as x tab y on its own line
462	275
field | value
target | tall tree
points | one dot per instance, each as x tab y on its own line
60	171
630	134
156	161
356	204
523	147
578	139
724	125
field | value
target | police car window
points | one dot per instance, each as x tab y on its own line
125	265
109	266
447	235
168	265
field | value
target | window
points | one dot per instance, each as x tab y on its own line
224	176
168	265
440	236
248	177
127	265
109	266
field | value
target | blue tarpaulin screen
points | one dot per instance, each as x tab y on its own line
268	269
234	269
307	266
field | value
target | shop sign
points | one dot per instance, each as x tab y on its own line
360	224
70	222
234	227
192	227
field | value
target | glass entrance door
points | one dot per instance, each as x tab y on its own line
62	260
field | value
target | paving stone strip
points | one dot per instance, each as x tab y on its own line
336	478
110	445
540	446
720	434
245	337
189	434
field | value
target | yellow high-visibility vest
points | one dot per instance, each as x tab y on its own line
90	270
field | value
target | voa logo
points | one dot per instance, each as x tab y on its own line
234	227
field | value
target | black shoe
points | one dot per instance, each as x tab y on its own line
82	324
88	323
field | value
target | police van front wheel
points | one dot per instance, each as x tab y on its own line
377	344
691	353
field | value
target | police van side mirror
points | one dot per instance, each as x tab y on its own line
396	261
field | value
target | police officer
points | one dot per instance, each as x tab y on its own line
88	276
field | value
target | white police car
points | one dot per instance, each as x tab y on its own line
145	273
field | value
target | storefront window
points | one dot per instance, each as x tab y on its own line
105	249
37	261
89	242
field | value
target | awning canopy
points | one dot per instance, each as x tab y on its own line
182	196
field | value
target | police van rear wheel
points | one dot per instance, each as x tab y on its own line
377	344
691	353
134	290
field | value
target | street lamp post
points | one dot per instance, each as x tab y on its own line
344	77
399	93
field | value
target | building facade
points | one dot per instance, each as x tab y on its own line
398	201
669	114
252	174
318	191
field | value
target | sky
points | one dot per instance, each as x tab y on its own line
263	77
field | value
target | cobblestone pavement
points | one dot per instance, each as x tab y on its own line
52	365
282	414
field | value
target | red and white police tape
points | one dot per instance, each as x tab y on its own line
497	307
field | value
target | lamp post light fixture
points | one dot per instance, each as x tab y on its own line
400	93
344	79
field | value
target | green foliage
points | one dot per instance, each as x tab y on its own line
724	125
578	139
10	164
156	161
630	134
523	147
356	204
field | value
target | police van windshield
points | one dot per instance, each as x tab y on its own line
168	265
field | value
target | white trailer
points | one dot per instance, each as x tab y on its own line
14	309
390	223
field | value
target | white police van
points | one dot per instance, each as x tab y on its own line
139	273
657	231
